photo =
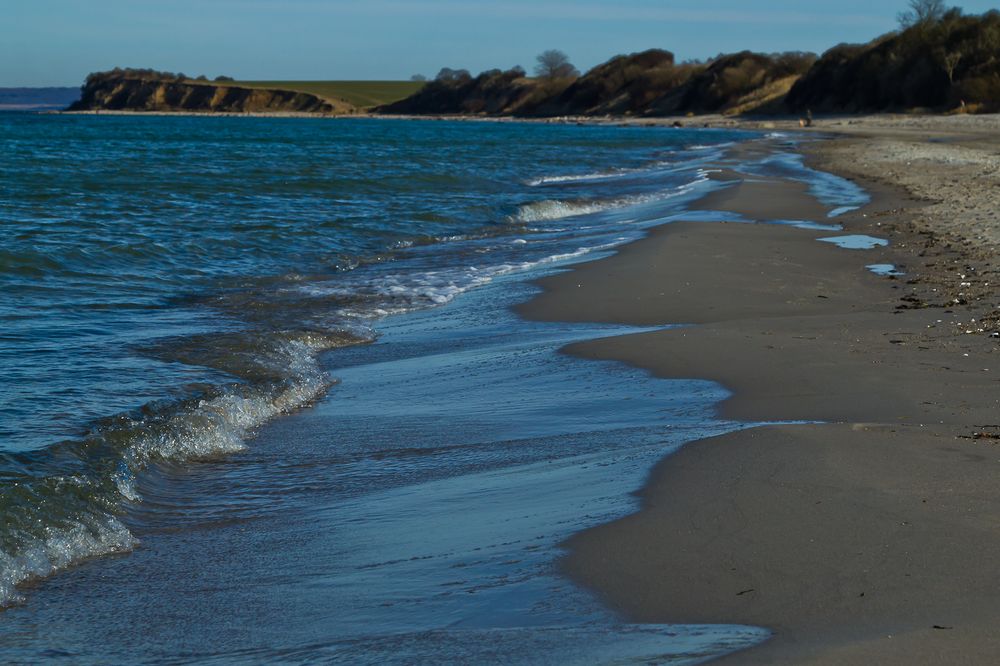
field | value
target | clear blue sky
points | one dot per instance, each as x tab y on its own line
57	42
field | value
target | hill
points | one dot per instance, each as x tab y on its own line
360	94
649	83
744	82
933	65
494	92
148	90
626	84
943	62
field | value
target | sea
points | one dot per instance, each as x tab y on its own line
264	397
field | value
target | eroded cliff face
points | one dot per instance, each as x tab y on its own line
640	84
112	91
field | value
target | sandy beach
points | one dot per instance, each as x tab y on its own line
865	534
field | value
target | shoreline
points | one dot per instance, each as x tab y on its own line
864	124
860	538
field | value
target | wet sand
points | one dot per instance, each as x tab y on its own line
867	538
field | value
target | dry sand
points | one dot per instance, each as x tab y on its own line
868	538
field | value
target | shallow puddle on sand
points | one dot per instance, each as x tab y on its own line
855	241
885	270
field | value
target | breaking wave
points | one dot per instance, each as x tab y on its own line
569	179
52	522
557	209
554	209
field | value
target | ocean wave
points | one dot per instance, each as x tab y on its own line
581	178
555	209
89	534
53	522
398	293
709	146
594	176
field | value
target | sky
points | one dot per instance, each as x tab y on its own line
58	42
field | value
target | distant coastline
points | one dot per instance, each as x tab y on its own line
943	64
37	99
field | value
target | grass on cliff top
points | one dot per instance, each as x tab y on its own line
361	94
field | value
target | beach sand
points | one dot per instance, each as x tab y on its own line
869	537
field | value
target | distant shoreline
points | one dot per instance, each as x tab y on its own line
42	108
957	125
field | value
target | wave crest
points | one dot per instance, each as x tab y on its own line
555	209
53	522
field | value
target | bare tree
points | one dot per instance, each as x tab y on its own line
554	64
950	62
449	75
922	12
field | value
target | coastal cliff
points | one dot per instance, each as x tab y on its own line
648	83
943	63
145	90
939	63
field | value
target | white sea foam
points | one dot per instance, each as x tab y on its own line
595	176
581	178
714	146
91	534
202	429
405	292
219	425
554	209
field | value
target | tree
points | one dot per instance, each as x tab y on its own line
449	75
554	64
418	77
950	62
922	12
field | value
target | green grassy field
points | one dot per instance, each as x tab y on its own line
359	93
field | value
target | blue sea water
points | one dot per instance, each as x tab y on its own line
264	392
124	238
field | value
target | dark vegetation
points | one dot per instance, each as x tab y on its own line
647	83
737	83
493	92
626	84
554	64
940	60
358	94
